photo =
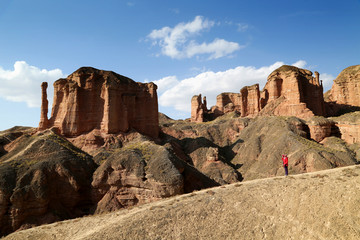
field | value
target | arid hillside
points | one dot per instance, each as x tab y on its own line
319	205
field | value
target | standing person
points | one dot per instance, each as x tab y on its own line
285	163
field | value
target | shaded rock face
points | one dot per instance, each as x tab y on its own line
289	91
302	93
206	146
137	174
321	128
344	94
348	126
95	99
42	180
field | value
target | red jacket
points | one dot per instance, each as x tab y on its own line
285	161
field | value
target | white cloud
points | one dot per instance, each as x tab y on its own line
165	83
23	84
327	81
177	42
217	49
300	64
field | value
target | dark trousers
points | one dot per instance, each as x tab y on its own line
286	170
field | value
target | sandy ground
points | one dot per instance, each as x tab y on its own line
320	205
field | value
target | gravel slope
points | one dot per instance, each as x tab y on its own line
319	205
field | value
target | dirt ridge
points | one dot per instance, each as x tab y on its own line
317	205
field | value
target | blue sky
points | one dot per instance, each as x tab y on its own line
185	47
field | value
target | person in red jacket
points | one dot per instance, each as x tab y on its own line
285	163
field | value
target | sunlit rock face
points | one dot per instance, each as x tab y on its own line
96	99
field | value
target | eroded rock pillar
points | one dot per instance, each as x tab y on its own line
44	121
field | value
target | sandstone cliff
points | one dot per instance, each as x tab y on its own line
95	99
346	87
345	92
289	91
302	93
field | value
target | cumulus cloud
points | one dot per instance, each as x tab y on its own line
300	64
178	93
178	42
22	84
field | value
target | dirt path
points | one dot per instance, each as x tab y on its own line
320	205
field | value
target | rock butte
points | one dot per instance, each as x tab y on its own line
96	99
289	91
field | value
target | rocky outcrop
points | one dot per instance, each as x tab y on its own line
143	172
250	96
321	128
344	96
246	102
198	108
346	87
349	127
302	93
95	99
289	91
227	102
42	180
44	121
261	144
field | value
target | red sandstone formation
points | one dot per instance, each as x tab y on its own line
302	93
198	108
289	91
250	100
44	122
95	99
320	128
346	88
349	127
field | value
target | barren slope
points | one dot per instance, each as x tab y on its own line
319	205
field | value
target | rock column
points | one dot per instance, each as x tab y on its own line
44	121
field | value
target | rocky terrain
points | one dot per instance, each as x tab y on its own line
320	205
106	147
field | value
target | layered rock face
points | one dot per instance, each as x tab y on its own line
140	173
246	102
95	99
302	93
346	87
321	128
289	91
349	127
198	108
